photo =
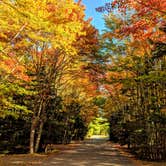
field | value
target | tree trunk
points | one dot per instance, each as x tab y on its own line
35	122
32	136
39	136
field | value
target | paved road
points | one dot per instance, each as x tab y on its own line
95	152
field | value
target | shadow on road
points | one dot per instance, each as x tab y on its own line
93	152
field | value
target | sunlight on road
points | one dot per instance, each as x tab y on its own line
99	137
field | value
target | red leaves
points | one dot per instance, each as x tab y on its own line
51	7
158	5
136	28
14	68
146	19
114	3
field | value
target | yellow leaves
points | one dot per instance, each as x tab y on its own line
42	37
47	21
3	37
49	24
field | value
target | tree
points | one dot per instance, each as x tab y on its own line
136	76
43	45
37	43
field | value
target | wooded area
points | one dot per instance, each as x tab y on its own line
58	74
136	76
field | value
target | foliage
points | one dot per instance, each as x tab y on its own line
99	126
135	80
44	49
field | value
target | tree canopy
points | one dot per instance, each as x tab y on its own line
61	79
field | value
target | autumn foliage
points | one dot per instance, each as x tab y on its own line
134	84
44	46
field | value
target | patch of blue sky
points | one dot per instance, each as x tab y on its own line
97	17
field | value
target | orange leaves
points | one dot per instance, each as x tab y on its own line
134	28
146	18
88	41
51	7
49	24
48	34
12	67
145	5
155	5
84	81
112	89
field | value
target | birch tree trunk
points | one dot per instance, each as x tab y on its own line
39	136
32	135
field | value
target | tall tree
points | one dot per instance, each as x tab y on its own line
39	46
135	40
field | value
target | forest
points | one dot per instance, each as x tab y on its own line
62	80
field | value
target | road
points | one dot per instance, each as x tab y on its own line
93	152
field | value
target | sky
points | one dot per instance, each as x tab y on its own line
90	11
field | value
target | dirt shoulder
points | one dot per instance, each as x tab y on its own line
35	159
